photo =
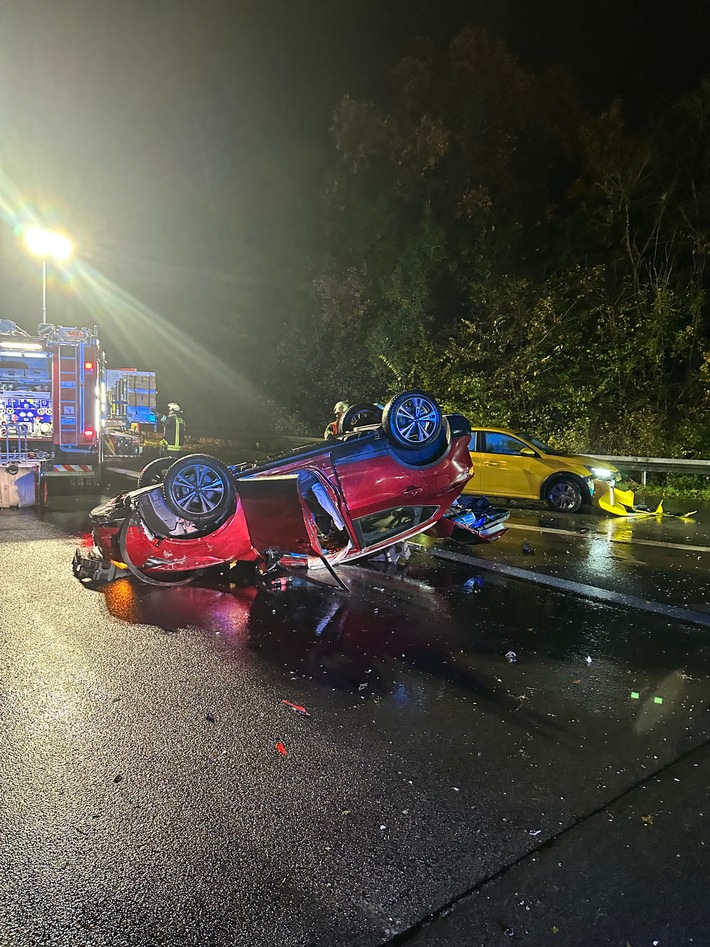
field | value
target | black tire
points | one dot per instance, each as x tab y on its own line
200	489
416	428
359	415
564	494
412	420
154	472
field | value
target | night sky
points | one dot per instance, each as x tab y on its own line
132	124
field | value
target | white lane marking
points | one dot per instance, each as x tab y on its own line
612	539
685	615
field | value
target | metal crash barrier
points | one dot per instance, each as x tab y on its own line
644	465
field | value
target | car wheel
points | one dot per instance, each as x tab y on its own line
564	495
414	425
200	489
359	416
154	472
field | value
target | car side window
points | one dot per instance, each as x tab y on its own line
475	439
377	527
498	443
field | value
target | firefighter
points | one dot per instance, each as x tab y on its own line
174	429
332	429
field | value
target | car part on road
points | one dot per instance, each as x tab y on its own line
93	570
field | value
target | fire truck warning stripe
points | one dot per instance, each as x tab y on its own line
73	468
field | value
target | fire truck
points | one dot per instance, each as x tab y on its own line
55	417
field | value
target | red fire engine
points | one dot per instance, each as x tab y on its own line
53	410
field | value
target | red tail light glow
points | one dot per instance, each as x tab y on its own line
89	432
88	366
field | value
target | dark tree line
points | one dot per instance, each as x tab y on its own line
528	264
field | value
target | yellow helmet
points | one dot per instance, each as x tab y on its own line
340	407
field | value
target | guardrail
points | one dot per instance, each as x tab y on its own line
644	465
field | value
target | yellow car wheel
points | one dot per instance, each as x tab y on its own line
564	495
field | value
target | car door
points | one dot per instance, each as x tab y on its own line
275	515
504	470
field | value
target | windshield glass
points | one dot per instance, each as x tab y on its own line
541	445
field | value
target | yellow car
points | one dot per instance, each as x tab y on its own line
514	464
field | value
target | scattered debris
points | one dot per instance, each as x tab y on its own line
118	778
647	819
512	657
534	832
282	749
588	660
280	584
635	695
209	717
658	700
296	708
363	687
473	584
528	549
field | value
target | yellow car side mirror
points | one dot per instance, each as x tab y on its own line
528	452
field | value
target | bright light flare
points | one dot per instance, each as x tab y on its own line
48	244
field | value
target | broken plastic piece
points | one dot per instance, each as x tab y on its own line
474	583
635	695
279	584
282	749
658	700
512	657
296	708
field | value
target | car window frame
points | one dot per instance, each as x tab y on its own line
501	453
417	520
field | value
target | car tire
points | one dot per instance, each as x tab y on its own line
200	489
415	426
154	472
564	495
360	415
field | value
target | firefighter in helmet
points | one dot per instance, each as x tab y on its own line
174	430
339	410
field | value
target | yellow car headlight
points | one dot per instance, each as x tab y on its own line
602	473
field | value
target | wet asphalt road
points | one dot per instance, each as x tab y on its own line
439	793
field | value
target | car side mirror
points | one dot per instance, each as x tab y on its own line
528	452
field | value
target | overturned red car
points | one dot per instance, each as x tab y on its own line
369	488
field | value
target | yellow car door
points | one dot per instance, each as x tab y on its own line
505	470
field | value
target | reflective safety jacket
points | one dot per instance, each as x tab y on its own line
175	428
